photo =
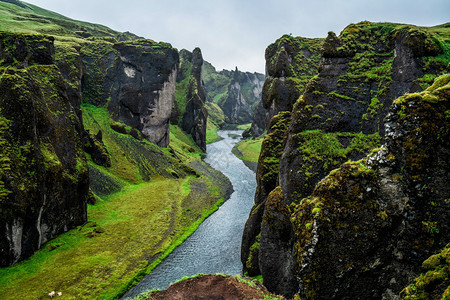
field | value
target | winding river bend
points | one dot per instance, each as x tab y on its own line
216	245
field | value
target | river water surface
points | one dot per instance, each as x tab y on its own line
215	247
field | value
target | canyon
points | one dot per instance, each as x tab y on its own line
103	140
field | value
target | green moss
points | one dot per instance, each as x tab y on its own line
252	260
316	145
272	148
434	284
5	161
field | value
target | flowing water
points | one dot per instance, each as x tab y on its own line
215	245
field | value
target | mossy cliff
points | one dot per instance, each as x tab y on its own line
44	179
189	110
135	80
339	115
290	63
367	226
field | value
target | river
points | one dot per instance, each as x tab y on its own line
215	247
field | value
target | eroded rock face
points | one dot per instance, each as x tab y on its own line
367	227
136	80
146	76
340	116
44	180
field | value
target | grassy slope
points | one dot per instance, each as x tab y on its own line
140	227
135	226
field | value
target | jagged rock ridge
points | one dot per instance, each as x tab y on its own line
189	109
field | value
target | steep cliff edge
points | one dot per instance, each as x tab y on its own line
136	80
189	110
44	180
367	227
339	117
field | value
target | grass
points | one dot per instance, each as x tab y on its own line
130	231
211	133
139	225
244	126
249	149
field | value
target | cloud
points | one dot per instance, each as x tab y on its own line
235	32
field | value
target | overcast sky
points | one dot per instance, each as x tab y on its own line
236	32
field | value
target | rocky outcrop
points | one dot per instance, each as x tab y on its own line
136	79
280	92
195	114
367	227
290	63
44	181
189	110
340	116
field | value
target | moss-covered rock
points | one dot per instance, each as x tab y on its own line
189	110
267	174
340	113
434	283
291	62
368	225
44	176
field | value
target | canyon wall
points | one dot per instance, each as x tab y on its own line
340	115
44	181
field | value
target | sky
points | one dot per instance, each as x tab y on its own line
235	33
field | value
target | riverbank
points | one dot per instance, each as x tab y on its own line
215	246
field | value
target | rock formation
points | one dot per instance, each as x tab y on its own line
366	228
340	116
44	181
136	79
189	110
286	59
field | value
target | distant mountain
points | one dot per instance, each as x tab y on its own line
237	93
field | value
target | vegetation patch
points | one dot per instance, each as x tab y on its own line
248	149
134	230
